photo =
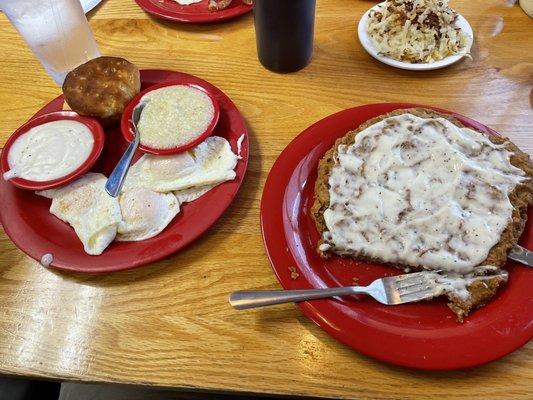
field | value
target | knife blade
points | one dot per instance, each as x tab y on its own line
524	256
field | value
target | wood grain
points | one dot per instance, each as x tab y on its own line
169	324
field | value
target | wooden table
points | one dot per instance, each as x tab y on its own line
169	324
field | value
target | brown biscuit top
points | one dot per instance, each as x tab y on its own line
102	87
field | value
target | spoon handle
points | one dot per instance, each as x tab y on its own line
116	179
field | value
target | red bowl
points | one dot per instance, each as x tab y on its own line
93	125
126	123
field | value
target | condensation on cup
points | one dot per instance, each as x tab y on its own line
57	31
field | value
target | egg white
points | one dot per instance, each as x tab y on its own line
193	193
210	163
145	213
86	206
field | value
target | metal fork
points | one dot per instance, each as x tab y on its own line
522	255
394	290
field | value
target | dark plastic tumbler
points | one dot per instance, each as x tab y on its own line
284	33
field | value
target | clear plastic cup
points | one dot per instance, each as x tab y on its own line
57	31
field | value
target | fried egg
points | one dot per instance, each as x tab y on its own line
210	163
85	205
145	213
193	193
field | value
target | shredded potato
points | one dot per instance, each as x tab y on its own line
217	5
416	31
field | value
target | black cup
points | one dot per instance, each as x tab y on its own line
284	33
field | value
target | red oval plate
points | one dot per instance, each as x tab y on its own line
126	124
93	125
423	335
35	231
194	13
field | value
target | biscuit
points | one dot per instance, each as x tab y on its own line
102	87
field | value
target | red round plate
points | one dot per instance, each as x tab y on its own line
423	335
93	125
35	231
126	124
193	13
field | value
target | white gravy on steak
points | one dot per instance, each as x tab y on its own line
420	192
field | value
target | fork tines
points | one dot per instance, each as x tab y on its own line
416	286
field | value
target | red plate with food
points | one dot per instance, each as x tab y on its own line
420	335
199	12
36	224
194	100
78	142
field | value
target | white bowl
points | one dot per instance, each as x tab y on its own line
366	42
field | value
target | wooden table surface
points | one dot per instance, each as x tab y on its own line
169	324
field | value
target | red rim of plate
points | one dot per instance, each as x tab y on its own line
126	124
170	10
93	125
27	221
409	335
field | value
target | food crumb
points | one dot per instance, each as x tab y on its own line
46	260
239	146
355	281
294	273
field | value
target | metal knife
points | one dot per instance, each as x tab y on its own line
524	256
